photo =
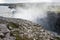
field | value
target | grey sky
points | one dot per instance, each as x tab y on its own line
18	1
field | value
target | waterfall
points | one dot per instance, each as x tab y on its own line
41	13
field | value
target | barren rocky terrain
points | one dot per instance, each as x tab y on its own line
20	29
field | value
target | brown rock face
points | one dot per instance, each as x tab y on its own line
19	29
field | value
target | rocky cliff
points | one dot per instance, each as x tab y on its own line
20	29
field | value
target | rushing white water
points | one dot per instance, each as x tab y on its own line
5	11
26	11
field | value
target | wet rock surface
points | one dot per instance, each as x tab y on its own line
19	29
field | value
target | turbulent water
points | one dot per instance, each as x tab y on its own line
25	11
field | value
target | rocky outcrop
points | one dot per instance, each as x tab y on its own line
53	21
19	29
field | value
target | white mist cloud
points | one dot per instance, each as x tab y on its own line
30	12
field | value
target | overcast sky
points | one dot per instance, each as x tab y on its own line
18	1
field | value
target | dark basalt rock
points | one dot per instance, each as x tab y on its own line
24	30
57	26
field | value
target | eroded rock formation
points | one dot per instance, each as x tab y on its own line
19	29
